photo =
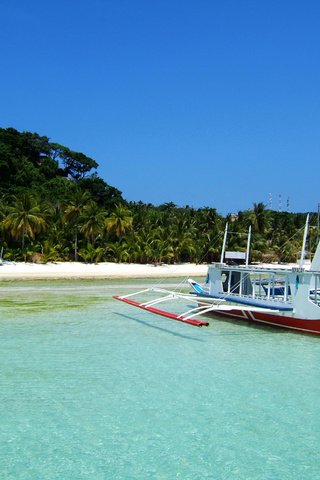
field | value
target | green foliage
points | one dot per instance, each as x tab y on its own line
76	164
119	221
90	254
24	218
105	195
55	207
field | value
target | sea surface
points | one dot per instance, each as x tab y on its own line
91	388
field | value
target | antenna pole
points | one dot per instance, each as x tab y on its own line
224	243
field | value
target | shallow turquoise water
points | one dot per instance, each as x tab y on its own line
94	389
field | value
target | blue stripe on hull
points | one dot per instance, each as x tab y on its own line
250	301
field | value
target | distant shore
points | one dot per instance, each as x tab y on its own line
108	270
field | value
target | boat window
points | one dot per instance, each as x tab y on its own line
225	281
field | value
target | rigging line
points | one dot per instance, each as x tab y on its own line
213	244
294	235
236	285
185	279
176	287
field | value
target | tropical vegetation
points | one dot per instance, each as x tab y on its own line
55	207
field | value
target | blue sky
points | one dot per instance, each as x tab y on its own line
202	103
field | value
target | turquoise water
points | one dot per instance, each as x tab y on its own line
94	389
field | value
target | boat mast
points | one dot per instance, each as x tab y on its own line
303	249
248	246
318	223
224	243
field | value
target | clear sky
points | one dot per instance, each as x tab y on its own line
198	102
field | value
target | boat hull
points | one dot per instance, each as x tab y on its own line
279	321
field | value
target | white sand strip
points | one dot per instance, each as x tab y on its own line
72	270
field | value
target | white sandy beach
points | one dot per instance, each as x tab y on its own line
73	270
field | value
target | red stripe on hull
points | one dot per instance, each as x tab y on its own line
163	313
280	321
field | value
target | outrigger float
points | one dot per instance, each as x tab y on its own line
280	297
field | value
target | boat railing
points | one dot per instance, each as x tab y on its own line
261	269
270	286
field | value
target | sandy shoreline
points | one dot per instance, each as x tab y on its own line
108	270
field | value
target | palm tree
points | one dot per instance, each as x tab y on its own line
259	218
134	247
91	254
208	220
73	212
92	221
25	217
160	250
119	221
118	251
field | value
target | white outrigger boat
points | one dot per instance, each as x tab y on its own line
279	297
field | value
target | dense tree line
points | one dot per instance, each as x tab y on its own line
55	207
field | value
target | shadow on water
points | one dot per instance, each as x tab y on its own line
252	330
165	330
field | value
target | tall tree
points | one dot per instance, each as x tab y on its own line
92	221
259	217
76	164
73	212
119	221
25	218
